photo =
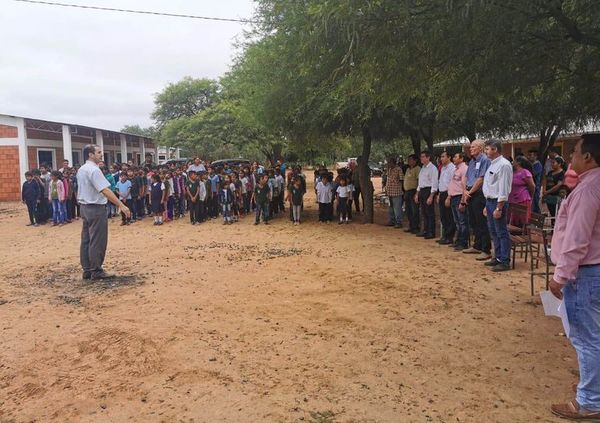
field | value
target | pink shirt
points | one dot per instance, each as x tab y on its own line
519	192
571	179
457	183
576	239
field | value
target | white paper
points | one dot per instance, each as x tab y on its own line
555	307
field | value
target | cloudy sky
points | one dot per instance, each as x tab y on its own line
101	68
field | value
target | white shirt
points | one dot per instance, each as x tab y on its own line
171	187
279	179
201	191
428	177
497	181
244	184
90	181
196	168
343	191
446	176
324	193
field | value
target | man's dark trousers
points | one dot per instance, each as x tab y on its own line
412	210
428	212
449	229
94	237
478	223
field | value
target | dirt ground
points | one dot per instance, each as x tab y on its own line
243	323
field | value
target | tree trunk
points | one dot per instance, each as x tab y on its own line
365	177
415	139
548	136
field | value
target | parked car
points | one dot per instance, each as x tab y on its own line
231	162
176	162
376	170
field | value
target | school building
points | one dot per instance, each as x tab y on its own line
27	143
515	147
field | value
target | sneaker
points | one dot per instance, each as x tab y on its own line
86	275
483	256
256	223
429	236
492	262
101	275
460	248
501	267
398	226
471	251
340	222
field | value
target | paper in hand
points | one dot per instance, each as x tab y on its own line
555	307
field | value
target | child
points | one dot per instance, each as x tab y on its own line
124	193
294	196
68	194
30	194
226	200
134	194
342	198
113	187
262	196
236	188
170	186
350	185
157	198
274	186
41	212
280	182
324	198
203	189
56	195
193	193
246	191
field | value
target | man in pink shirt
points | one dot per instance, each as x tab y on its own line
576	253
454	200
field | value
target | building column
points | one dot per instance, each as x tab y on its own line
178	153
123	148
142	150
67	146
99	141
23	157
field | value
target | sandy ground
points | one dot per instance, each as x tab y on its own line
316	323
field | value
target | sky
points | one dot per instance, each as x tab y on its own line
102	68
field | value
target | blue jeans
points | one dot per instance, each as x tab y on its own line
58	212
226	208
582	300
395	210
461	220
499	231
264	210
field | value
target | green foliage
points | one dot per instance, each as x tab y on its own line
184	99
149	132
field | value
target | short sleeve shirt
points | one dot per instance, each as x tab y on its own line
91	182
478	166
192	187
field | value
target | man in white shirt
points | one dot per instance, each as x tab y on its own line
446	218
497	184
93	193
426	189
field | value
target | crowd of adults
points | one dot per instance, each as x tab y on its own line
475	194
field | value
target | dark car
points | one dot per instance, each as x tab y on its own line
176	162
231	163
376	170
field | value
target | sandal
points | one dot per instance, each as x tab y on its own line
572	411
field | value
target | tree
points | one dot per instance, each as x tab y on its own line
149	132
183	99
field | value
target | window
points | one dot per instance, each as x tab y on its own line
138	158
106	157
46	157
162	158
76	157
129	156
119	158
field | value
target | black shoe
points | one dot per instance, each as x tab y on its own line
86	275
429	236
421	234
501	267
408	230
439	241
492	262
445	242
459	248
256	223
101	275
398	226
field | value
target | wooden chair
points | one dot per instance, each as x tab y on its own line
517	228
539	237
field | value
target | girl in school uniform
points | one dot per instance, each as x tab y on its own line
157	198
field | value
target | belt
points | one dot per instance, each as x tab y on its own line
93	204
491	199
426	188
590	265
